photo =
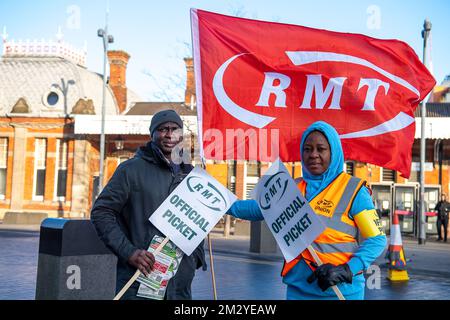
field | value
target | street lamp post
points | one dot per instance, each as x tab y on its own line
425	34
107	39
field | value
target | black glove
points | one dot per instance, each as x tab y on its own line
328	275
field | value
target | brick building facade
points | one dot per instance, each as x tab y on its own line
44	166
49	140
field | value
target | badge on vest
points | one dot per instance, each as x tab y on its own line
324	207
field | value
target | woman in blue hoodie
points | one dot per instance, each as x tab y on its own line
345	206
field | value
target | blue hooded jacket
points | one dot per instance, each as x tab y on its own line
368	251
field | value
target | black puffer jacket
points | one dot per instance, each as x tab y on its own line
121	212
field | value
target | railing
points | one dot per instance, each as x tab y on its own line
44	48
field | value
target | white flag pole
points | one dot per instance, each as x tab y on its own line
199	104
211	258
211	262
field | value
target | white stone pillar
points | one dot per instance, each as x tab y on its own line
81	179
18	174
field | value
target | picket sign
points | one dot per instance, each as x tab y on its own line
288	214
189	213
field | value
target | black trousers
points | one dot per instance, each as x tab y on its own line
444	223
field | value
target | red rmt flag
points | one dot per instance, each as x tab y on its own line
261	84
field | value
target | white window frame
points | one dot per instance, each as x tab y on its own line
55	186
35	197
2	196
248	180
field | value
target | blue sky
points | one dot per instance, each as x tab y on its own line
157	33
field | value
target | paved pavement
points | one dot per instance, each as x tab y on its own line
240	274
18	264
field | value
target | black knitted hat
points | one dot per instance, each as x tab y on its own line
164	116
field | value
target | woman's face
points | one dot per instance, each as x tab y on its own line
316	153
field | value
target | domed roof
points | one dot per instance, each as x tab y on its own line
51	86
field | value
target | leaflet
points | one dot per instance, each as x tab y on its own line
146	292
166	265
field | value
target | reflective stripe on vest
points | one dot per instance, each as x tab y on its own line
335	247
335	222
339	241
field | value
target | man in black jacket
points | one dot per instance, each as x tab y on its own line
139	185
442	209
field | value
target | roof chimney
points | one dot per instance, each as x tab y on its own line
189	95
117	76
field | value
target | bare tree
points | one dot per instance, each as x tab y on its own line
171	86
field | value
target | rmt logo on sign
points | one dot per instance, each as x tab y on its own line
273	186
206	193
275	195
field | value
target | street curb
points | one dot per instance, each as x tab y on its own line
418	271
20	231
250	255
20	228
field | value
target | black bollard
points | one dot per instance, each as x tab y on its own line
74	264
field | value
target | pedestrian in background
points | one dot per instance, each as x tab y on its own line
347	210
442	209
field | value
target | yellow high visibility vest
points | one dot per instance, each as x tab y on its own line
339	240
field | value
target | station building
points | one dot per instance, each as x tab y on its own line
50	107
